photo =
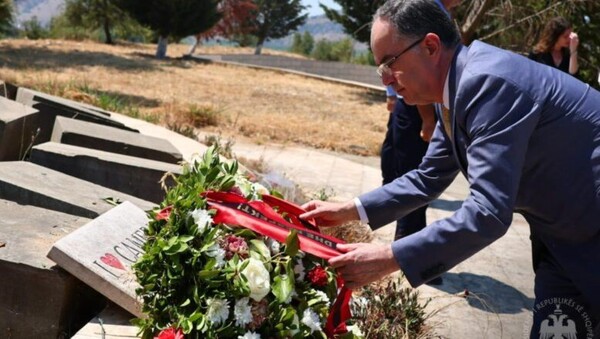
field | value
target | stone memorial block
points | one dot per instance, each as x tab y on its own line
18	125
37	298
101	254
110	139
8	90
51	106
136	176
30	184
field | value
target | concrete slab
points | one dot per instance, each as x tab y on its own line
51	106
101	254
18	125
112	323
186	146
8	90
110	139
30	184
135	176
38	299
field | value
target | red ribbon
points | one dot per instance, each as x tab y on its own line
259	216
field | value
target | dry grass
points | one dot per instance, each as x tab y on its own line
265	106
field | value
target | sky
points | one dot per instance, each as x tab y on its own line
313	6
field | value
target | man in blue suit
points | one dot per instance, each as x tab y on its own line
527	138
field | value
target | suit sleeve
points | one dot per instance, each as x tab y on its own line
416	188
498	119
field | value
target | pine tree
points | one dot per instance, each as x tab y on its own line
276	19
95	14
174	19
6	15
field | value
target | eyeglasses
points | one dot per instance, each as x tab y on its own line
384	68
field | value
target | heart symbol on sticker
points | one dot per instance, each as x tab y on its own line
112	261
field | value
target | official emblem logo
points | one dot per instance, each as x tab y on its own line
558	325
563	319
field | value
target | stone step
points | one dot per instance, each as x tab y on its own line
110	139
18	124
51	106
135	176
30	184
37	298
112	323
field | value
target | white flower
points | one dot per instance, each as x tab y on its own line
249	335
299	270
312	320
273	245
322	297
218	310
218	253
258	279
242	312
260	189
202	218
243	184
354	329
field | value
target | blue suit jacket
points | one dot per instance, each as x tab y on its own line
527	138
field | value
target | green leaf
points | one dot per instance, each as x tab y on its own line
258	246
292	243
282	287
208	274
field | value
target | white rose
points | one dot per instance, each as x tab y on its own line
258	279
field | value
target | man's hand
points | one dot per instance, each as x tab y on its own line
330	213
362	264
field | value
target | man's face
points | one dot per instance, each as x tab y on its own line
409	73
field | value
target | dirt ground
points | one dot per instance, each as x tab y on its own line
265	106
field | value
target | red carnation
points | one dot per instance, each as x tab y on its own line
232	245
164	213
170	333
317	276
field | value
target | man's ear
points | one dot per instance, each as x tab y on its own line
433	44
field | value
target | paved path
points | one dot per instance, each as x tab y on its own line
499	278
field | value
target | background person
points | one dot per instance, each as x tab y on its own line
558	46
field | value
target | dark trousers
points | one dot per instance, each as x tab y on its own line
567	288
402	151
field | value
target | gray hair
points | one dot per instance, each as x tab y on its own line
416	18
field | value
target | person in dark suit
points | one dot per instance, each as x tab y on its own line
526	137
558	46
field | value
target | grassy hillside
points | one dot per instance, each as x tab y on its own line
265	106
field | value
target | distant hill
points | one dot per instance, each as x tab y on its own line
44	10
320	27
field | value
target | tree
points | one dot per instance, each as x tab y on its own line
174	19
302	43
275	19
516	26
235	21
355	17
96	14
6	15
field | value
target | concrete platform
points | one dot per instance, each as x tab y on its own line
30	184
135	176
103	138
